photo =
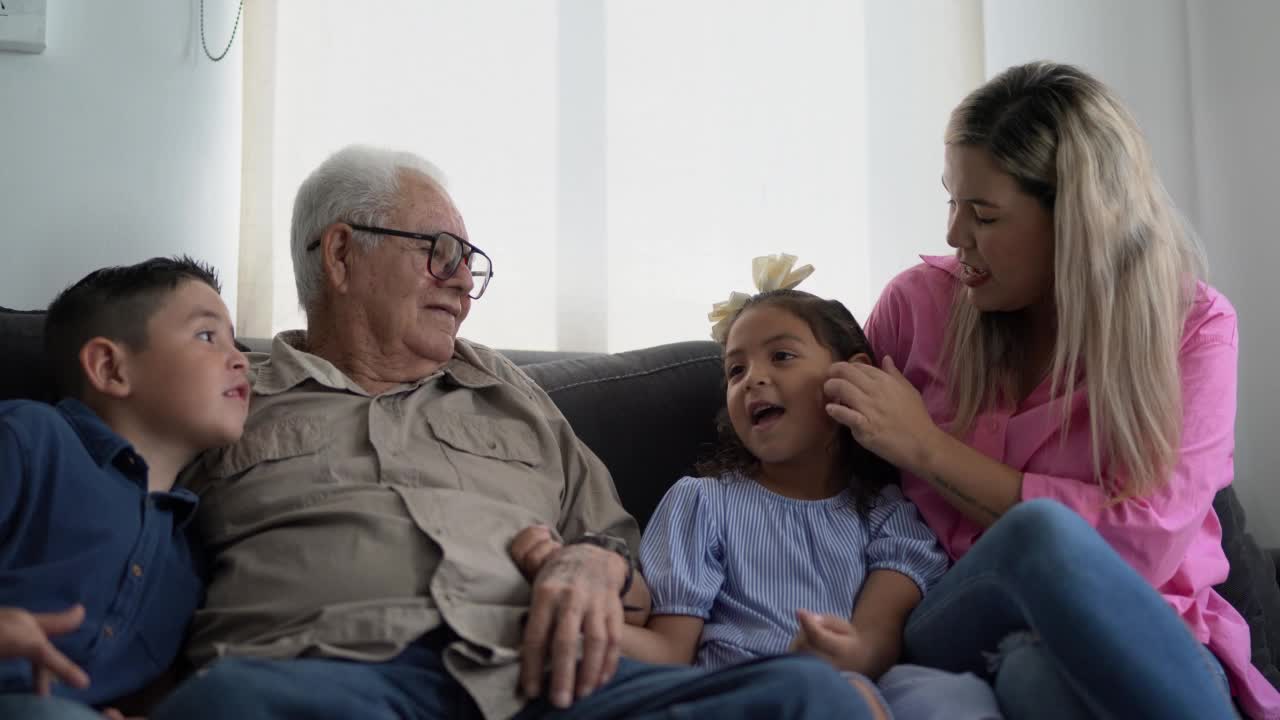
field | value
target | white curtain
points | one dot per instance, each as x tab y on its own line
621	161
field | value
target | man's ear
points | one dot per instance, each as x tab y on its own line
863	358
337	245
105	366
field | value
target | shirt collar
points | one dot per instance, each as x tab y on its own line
106	447
100	441
287	366
181	502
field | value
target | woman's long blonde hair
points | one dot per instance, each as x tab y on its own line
1125	270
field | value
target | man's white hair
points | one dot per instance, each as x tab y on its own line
358	184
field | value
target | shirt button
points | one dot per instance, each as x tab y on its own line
137	570
109	631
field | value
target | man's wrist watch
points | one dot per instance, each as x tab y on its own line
614	545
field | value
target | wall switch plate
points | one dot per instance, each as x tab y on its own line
22	24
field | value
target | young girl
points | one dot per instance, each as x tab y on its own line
794	521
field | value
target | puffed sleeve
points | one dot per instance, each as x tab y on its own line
681	556
900	541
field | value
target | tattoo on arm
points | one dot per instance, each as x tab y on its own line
965	497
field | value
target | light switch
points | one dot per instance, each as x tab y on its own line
22	25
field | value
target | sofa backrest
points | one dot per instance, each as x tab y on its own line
650	414
23	371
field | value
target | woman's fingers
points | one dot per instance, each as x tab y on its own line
846	393
850	418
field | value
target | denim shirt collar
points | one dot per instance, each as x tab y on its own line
103	444
108	448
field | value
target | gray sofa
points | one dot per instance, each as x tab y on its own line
650	413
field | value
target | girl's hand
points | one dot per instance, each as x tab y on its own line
26	635
884	412
114	714
833	639
532	547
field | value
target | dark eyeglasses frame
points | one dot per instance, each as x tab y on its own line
467	251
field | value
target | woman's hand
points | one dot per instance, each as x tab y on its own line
887	416
884	412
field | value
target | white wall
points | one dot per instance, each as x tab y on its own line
1199	77
1138	47
120	142
744	135
923	57
471	86
1234	58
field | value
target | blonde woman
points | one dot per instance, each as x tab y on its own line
1064	415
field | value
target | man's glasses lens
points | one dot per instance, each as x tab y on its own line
448	254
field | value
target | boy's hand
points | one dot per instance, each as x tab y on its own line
26	635
531	548
833	639
114	714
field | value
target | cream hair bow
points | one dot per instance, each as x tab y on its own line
770	272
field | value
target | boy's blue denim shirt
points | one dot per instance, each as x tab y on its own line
77	525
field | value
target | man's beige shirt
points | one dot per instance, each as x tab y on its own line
348	525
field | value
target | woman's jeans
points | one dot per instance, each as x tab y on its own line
1064	627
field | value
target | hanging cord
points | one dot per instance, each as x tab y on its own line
205	43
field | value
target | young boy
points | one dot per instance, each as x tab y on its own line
97	577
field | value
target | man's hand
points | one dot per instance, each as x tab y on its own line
531	549
114	714
833	639
575	604
26	635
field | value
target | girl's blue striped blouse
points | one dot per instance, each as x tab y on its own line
744	559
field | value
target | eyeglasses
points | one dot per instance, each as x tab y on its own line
447	252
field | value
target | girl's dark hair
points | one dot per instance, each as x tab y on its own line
835	327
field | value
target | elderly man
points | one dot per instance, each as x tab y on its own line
360	530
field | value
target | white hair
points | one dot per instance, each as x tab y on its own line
358	184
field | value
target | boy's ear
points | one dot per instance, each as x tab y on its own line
104	364
863	358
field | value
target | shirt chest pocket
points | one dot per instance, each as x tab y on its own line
275	468
500	459
271	442
467	437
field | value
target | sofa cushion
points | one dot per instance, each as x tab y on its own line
1251	586
649	414
23	371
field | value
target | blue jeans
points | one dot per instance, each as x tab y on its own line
1068	628
916	692
416	685
34	707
